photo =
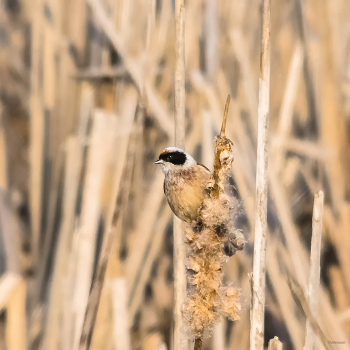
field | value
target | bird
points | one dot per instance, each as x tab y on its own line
185	182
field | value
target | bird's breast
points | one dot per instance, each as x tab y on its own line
185	193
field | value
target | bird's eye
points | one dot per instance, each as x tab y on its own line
175	158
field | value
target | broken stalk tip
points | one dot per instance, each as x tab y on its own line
224	119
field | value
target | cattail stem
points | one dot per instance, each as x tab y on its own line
258	280
198	344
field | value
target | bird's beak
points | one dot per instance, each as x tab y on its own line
159	161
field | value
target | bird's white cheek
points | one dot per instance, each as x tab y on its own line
165	167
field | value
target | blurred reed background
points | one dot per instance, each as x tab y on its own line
79	79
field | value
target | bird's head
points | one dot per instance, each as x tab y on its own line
173	159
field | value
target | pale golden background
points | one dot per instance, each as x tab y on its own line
73	75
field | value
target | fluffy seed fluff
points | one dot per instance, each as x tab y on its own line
208	300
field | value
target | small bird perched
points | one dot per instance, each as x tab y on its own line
184	183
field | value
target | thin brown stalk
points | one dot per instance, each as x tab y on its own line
198	344
314	279
179	247
259	265
224	119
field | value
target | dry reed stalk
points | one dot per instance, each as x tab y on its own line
294	245
120	314
36	131
249	81
143	232
315	261
338	287
49	234
333	129
9	281
124	125
179	247
275	344
97	283
76	23
284	298
208	299
258	279
211	29
87	232
9	233
313	150
287	107
137	293
87	100
308	72
219	336
314	322
73	167
16	328
342	242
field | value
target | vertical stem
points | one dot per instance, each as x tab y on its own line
258	280
314	279
120	314
198	344
219	336
16	318
211	46
179	248
180	75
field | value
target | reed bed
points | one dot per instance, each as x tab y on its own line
87	102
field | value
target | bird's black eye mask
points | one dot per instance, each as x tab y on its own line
177	158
